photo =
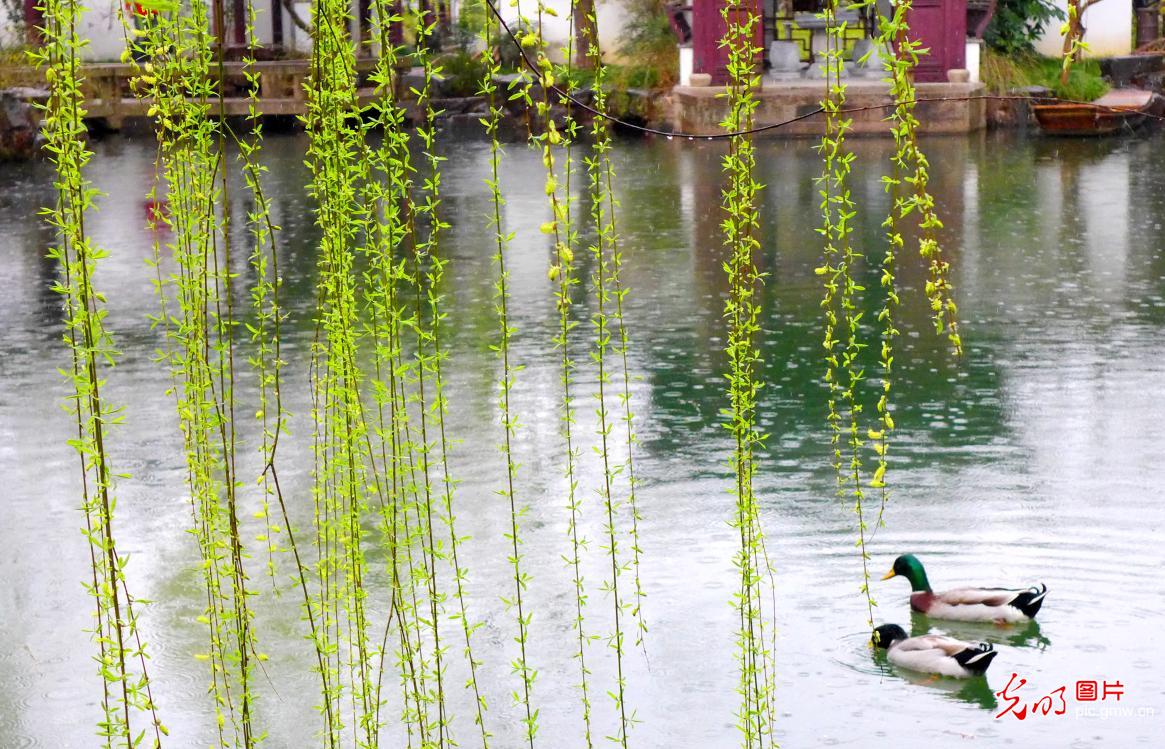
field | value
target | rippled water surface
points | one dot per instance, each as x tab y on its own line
1038	457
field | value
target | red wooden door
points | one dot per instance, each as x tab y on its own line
941	27
708	29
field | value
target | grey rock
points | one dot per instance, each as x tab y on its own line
20	137
414	80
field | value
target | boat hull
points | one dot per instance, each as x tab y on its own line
1117	111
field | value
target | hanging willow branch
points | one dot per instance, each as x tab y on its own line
427	322
603	177
268	315
509	419
345	475
127	703
390	315
844	373
191	149
900	68
604	253
561	228
757	672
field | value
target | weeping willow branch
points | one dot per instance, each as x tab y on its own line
345	476
844	372
900	68
756	669
604	253
604	189
431	396
201	334
127	701
565	235
506	413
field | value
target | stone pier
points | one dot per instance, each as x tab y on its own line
950	108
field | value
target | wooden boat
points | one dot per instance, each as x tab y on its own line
1122	109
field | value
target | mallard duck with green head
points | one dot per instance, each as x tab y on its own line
968	604
933	654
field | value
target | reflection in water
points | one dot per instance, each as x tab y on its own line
1031	458
1022	635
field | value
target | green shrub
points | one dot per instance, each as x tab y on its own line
649	42
463	72
1018	23
1003	73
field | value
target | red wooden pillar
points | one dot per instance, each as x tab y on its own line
239	11
396	31
941	27
708	28
33	22
277	24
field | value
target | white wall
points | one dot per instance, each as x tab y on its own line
101	26
611	17
1108	30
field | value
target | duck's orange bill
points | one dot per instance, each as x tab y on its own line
889	575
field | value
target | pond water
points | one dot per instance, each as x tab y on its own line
1037	457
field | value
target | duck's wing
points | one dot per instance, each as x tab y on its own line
983	596
1025	600
941	645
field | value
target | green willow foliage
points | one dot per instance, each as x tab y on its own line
267	361
516	603
842	293
844	373
128	714
492	123
755	656
385	282
201	333
382	485
908	171
431	400
562	272
604	208
342	486
608	313
378	206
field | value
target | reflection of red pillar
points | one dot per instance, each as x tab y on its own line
277	24
239	11
364	24
33	21
708	28
396	32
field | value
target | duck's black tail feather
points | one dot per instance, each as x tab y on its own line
1030	600
977	659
